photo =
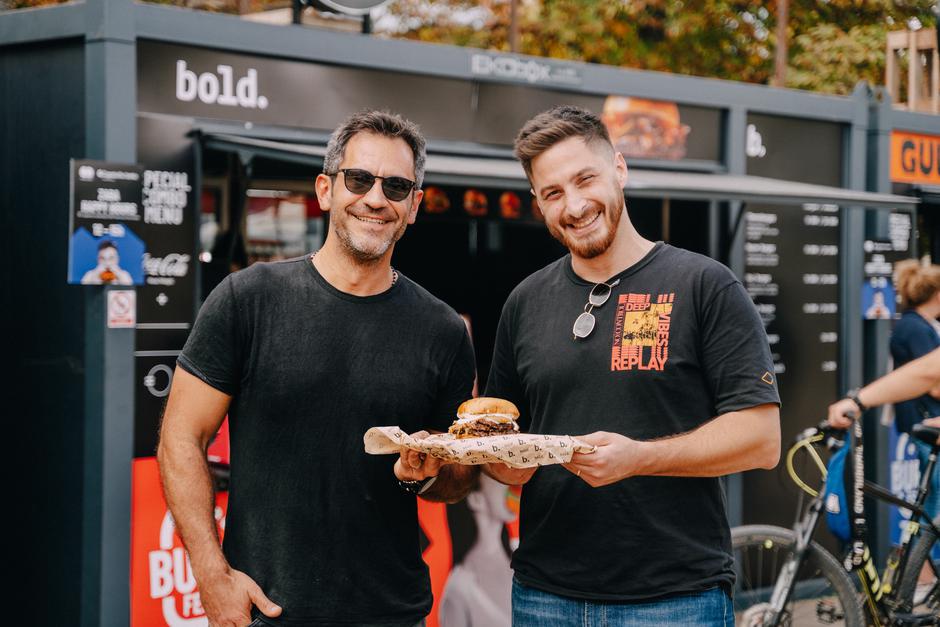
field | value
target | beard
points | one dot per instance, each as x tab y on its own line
365	249
595	244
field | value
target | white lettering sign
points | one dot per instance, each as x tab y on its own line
221	89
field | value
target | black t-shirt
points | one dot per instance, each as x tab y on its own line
913	337
319	524
678	343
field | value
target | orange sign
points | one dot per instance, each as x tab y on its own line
915	158
163	589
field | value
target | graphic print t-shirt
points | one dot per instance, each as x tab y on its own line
678	343
320	525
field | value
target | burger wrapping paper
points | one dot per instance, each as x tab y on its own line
521	450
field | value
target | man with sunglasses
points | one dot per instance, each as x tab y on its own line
304	356
657	357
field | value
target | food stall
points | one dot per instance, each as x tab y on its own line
230	118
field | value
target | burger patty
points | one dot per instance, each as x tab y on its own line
481	428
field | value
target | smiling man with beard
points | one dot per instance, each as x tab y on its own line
304	356
658	355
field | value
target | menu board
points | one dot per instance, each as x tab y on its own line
792	274
166	299
791	269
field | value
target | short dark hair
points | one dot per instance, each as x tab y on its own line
382	123
553	126
106	243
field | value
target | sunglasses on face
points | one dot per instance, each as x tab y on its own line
395	188
584	324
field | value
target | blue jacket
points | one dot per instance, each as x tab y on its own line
913	337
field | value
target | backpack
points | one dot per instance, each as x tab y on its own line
838	479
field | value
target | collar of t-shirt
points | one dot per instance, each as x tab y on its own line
636	267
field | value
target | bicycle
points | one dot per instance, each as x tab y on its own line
786	578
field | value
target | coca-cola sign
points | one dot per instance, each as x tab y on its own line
165	270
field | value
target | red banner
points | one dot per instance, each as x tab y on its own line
163	589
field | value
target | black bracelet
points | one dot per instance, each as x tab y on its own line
853	396
417	487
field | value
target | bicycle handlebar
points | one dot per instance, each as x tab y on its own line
833	436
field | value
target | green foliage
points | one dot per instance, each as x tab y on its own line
832	43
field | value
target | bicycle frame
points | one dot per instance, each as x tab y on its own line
784	585
881	600
881	594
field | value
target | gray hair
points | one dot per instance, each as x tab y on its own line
381	123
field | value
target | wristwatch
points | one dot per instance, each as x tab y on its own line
417	487
852	395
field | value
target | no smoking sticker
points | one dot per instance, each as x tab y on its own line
122	309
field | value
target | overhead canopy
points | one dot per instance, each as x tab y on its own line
651	183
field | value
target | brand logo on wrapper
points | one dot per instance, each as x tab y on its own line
219	89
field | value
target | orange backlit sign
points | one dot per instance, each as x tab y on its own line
915	158
163	589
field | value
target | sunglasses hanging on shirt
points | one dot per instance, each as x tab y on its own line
584	324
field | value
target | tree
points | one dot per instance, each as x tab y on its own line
833	43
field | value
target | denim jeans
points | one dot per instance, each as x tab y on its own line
535	608
259	622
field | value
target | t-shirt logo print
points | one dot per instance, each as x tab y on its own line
641	332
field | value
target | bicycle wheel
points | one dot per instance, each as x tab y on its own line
920	552
824	593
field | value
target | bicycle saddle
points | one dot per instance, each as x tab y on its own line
927	435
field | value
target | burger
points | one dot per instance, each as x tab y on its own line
509	206
436	200
649	129
475	203
485	416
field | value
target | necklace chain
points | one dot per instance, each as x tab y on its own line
394	271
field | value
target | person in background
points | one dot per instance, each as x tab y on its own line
915	335
910	381
478	590
109	270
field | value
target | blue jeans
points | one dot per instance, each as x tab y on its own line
932	504
535	608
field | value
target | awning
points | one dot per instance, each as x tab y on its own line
649	183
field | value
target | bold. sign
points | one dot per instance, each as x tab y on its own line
915	158
506	90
